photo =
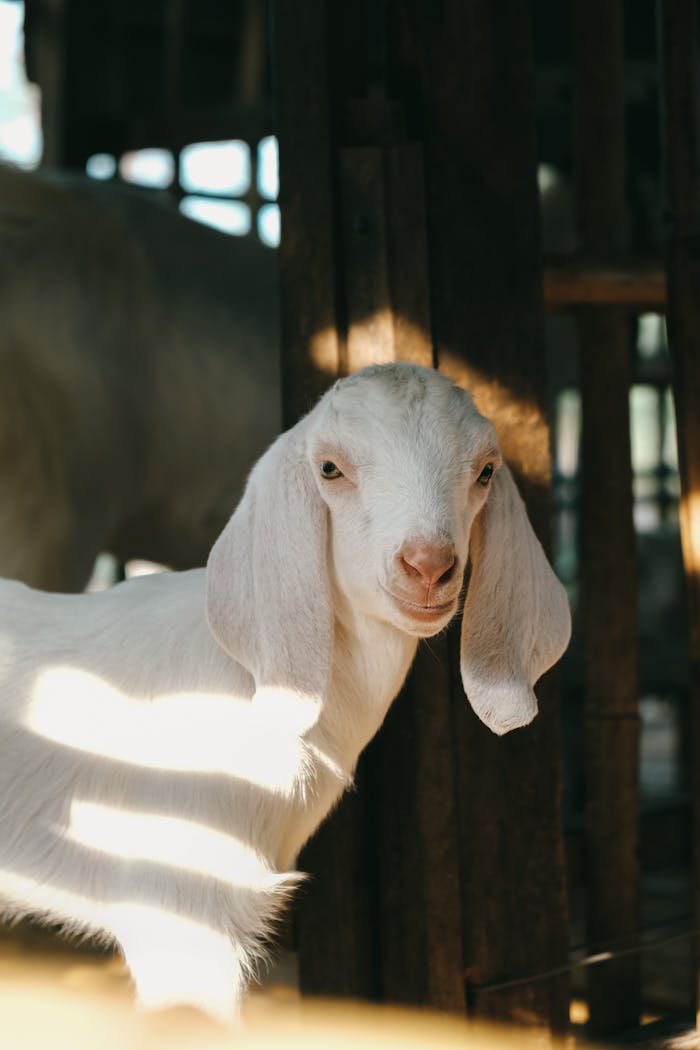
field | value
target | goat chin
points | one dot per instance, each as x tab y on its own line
167	747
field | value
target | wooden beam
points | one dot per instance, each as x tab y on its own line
467	81
387	310
369	316
307	253
419	906
335	919
680	24
608	572
48	26
638	288
407	244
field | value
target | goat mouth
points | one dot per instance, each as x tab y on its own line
428	613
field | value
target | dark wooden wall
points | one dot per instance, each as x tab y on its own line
414	234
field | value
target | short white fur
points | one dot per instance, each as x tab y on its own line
168	746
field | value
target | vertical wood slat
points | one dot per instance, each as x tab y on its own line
385	252
407	246
369	319
680	26
334	919
307	251
611	747
473	73
417	847
608	574
410	765
48	38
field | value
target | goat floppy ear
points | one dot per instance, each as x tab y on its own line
516	616
268	591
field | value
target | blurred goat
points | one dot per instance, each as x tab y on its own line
138	377
167	746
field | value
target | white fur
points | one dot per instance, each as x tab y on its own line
168	746
139	377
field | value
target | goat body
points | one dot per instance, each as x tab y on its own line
139	377
168	746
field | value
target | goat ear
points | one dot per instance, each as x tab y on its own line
516	616
268	590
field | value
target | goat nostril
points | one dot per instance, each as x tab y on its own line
449	572
431	564
409	568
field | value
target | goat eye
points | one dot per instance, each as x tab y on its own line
330	471
486	475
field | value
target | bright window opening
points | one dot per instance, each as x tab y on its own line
216	167
153	168
229	216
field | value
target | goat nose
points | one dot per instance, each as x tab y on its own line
430	562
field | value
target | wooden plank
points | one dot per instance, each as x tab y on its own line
307	252
608	542
335	921
609	607
337	926
388	317
417	847
467	81
47	26
385	252
680	24
570	285
369	318
400	249
407	247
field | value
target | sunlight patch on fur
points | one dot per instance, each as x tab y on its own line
199	733
184	844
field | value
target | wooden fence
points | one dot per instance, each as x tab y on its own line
410	230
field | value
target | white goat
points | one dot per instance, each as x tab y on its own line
139	377
167	747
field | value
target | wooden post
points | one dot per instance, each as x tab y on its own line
467	80
411	764
307	253
636	288
608	543
48	69
680	24
335	916
482	867
382	915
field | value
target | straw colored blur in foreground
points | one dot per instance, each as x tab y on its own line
60	1000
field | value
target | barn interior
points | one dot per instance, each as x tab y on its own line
508	193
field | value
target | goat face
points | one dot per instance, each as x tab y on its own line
403	469
373	502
